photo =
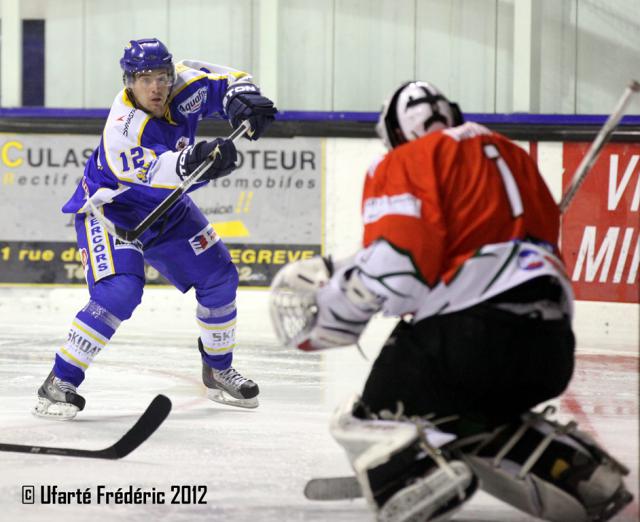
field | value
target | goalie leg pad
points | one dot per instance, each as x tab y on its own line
433	497
402	473
551	471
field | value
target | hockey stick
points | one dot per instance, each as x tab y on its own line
154	415
600	140
131	235
332	488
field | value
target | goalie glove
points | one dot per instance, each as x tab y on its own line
312	309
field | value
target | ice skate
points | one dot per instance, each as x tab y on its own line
58	400
229	387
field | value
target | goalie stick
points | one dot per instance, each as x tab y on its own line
150	420
332	488
596	146
130	236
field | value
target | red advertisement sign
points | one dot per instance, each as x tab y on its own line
600	229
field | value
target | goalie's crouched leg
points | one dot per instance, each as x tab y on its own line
404	468
549	470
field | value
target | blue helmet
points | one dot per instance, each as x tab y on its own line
145	55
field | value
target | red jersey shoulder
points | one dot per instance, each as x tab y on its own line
403	160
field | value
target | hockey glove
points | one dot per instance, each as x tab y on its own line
312	308
345	307
243	101
224	159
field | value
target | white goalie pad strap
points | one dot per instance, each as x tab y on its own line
356	436
434	497
372	443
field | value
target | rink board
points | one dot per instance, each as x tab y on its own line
296	197
268	213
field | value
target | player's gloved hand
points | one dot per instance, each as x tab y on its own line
224	159
345	307
243	101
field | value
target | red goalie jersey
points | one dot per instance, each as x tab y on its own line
442	197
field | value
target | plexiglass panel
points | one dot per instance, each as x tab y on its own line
348	55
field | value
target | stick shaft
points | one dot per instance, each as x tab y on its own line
166	203
596	146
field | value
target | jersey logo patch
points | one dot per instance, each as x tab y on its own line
127	122
100	257
399	205
143	172
194	102
530	260
204	240
182	143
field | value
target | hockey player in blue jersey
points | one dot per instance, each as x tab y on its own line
146	150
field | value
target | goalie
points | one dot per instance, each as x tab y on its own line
460	239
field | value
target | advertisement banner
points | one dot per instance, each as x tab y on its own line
600	230
268	212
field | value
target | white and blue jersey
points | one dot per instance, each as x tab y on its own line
135	163
129	174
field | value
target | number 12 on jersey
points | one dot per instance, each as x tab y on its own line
136	158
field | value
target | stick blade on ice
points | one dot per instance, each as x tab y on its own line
149	421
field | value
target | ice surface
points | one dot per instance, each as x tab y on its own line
254	463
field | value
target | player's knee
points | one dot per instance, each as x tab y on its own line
219	288
120	294
551	471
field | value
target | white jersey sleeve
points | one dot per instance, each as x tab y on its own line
214	70
390	274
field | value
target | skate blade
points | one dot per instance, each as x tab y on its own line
222	397
47	409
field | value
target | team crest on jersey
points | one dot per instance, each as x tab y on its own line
182	143
203	240
143	172
530	260
193	103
